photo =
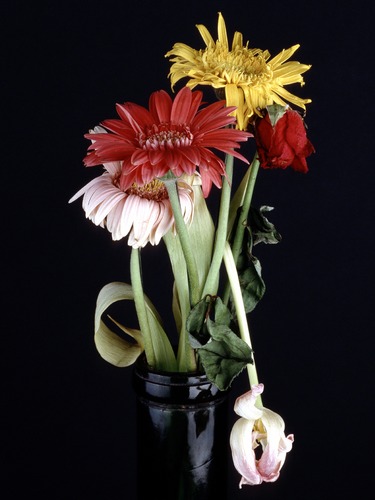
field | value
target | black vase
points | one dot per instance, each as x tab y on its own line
182	438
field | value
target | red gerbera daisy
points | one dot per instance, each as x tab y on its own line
172	135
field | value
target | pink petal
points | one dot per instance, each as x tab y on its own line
244	405
241	443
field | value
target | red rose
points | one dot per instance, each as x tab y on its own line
283	144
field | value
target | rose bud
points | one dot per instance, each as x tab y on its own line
281	139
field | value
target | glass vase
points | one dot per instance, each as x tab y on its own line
182	438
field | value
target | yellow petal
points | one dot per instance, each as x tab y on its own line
290	73
233	95
283	56
222	32
182	50
205	34
237	40
289	97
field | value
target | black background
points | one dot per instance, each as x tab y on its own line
69	430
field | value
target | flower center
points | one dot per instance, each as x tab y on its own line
154	190
165	136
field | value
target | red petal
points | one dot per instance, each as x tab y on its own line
160	105
181	106
137	116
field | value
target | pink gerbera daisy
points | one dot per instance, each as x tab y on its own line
172	135
142	212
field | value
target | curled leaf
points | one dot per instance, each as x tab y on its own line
115	349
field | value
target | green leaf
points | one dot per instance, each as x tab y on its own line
222	313
250	275
252	284
222	353
201	235
196	323
259	230
225	356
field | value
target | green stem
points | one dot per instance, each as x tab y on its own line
221	232
230	266
242	220
183	234
140	307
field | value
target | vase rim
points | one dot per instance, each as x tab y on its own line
169	378
179	387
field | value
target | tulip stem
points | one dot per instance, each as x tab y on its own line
221	231
243	325
242	221
243	217
171	186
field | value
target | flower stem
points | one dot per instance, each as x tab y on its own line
221	232
242	221
171	186
240	311
140	307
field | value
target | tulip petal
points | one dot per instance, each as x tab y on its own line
258	425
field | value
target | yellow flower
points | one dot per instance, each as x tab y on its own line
251	80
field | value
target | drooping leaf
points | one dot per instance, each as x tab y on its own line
115	349
259	229
249	274
222	353
199	320
252	284
196	323
222	313
225	356
262	230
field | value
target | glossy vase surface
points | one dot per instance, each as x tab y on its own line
182	439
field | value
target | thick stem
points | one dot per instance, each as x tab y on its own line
241	313
140	307
221	231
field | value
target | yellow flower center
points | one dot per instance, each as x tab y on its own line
154	190
239	66
165	136
259	433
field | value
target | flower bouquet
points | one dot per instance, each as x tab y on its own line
160	164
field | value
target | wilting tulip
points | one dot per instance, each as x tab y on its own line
258	426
